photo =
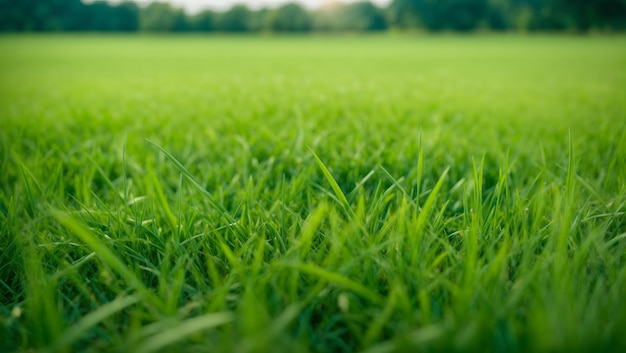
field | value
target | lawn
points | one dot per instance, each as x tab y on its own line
312	194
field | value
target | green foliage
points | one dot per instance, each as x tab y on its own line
236	19
355	17
368	194
458	15
204	21
364	16
162	17
35	15
433	15
290	17
100	16
466	15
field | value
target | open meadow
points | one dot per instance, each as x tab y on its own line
375	194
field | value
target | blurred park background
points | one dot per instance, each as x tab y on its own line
309	16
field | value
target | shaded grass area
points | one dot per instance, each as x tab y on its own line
378	194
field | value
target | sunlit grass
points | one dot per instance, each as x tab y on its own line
379	194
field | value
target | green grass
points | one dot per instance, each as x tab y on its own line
369	194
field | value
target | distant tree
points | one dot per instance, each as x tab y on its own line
127	14
260	20
500	15
358	16
101	16
329	17
540	15
458	15
583	15
204	21
434	15
404	14
611	14
35	15
236	19
466	15
91	17
544	14
162	17
363	16
14	16
290	17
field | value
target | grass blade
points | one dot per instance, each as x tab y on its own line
339	280
183	330
427	209
108	257
333	184
90	320
185	172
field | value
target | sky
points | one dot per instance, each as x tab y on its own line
196	5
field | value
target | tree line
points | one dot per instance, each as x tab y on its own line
431	15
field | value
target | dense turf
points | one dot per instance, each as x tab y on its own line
382	194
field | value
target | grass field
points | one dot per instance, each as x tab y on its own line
312	194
